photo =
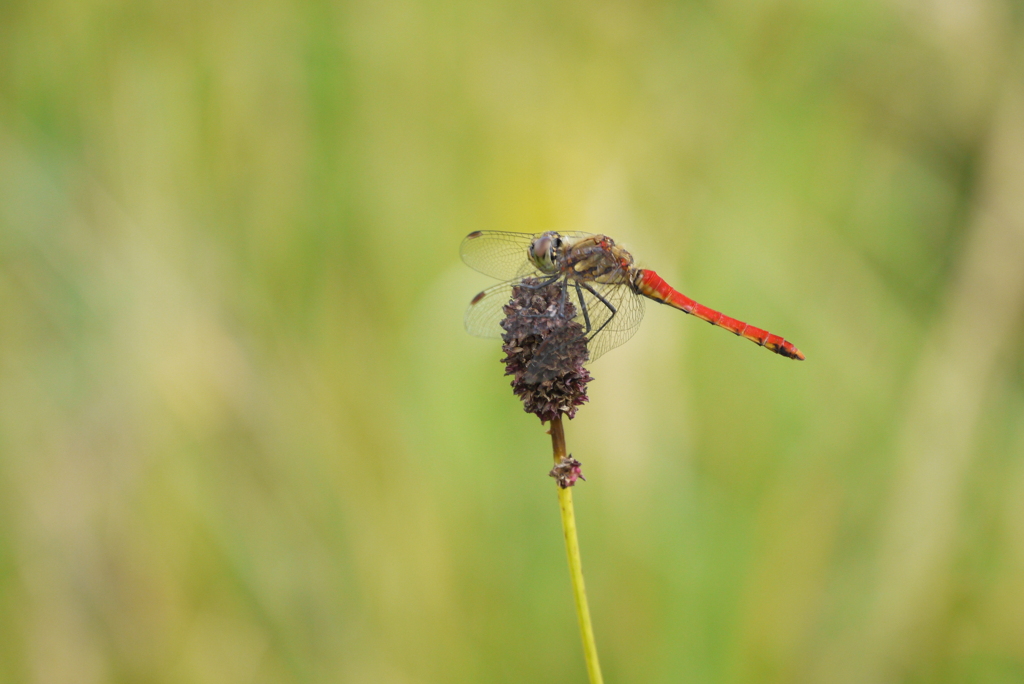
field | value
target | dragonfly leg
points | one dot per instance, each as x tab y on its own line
561	300
583	308
541	283
591	290
563	286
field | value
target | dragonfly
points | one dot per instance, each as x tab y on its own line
596	276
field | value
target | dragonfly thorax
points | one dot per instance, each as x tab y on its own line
597	259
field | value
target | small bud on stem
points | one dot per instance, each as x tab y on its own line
567	471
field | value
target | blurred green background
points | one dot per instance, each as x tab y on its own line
244	438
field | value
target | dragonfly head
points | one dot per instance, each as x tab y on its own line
546	250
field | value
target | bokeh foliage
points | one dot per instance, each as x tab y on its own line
243	437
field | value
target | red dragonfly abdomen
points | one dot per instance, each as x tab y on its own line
653	286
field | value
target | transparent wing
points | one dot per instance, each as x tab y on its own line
499	254
484	313
612	313
502	255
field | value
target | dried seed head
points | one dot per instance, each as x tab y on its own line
545	350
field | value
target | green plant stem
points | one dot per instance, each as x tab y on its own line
572	548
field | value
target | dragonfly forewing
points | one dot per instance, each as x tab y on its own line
497	254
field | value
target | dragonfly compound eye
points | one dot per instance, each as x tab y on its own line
542	252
